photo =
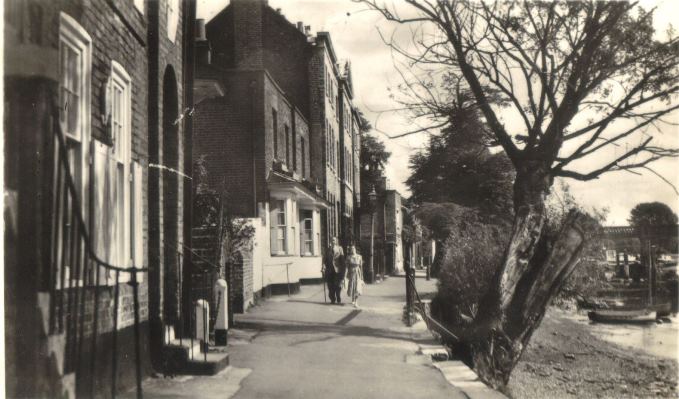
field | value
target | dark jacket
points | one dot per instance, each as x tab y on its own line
334	262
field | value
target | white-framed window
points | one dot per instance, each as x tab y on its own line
118	182
279	234
172	11
120	94
307	226
75	68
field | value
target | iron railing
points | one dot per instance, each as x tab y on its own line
432	324
202	279
76	278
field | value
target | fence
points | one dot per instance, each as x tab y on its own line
76	277
413	296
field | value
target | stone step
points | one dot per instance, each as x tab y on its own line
215	362
184	349
181	357
437	353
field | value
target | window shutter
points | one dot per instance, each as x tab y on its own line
101	220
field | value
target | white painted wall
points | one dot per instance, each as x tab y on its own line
270	269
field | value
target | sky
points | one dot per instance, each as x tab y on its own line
357	34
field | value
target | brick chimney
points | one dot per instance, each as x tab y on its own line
248	16
203	51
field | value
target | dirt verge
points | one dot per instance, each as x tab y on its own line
565	360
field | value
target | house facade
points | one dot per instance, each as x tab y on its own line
95	181
274	130
381	232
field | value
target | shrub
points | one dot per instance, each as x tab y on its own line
471	257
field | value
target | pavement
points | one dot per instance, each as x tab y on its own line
302	347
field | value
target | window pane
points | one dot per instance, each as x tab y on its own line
74	70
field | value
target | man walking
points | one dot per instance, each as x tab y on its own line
333	270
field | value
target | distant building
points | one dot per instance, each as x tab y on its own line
383	221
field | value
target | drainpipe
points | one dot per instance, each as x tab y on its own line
254	152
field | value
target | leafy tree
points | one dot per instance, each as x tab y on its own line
589	74
373	157
652	214
457	166
645	216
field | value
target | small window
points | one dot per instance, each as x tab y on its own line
307	222
278	228
294	151
287	145
303	154
274	129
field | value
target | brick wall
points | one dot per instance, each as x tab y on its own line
118	33
166	147
121	33
249	34
286	55
222	136
317	115
241	287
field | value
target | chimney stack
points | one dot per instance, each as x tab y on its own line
203	51
300	26
200	30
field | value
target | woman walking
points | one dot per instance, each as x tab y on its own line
354	275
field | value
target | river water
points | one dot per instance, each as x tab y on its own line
660	340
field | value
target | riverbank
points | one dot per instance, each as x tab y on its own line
565	359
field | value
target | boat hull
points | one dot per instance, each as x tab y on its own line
622	316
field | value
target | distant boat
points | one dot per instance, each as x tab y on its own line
623	315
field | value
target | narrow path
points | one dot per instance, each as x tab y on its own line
308	349
299	347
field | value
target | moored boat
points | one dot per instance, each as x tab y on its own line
623	316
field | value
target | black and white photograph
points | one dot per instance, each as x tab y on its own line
340	199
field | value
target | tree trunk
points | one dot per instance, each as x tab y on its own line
534	270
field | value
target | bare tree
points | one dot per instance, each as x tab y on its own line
578	78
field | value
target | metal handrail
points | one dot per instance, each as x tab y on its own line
192	251
76	204
425	316
72	248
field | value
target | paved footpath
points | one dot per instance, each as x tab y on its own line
300	347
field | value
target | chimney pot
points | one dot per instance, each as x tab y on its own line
300	26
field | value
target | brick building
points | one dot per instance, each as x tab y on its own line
384	222
277	133
96	153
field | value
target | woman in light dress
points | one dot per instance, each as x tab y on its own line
354	275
